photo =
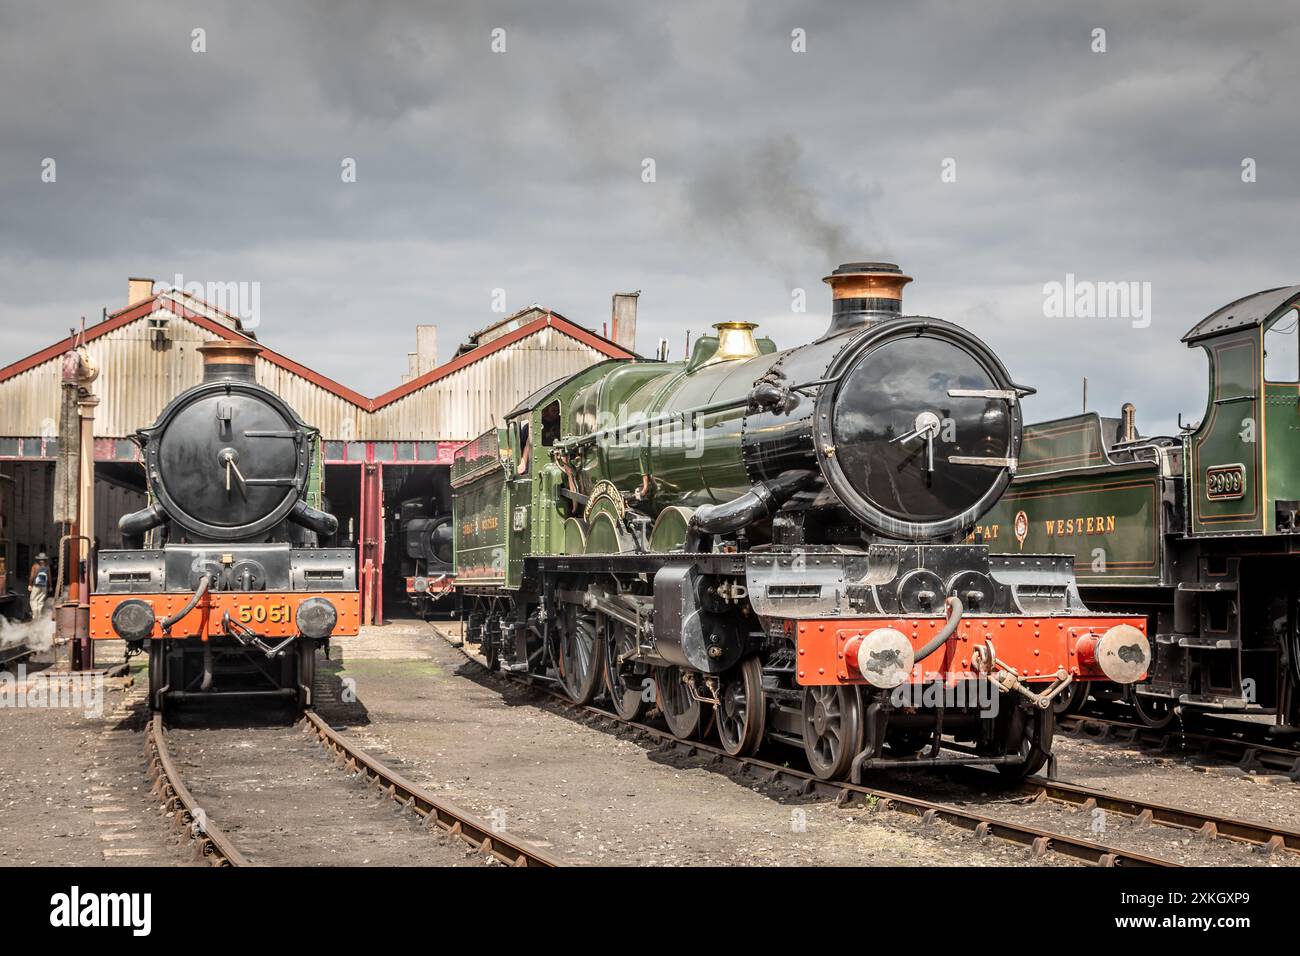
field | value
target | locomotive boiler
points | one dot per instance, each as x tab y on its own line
224	572
770	543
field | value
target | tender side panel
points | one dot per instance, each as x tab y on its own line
1066	443
480	512
1109	519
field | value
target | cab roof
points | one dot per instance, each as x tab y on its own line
1248	312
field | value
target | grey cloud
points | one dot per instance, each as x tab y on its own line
522	170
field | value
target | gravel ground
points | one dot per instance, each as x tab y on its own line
282	800
74	788
498	750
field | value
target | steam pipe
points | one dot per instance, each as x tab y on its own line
757	503
754	399
172	619
313	519
137	523
955	611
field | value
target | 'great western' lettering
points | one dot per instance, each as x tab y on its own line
1091	524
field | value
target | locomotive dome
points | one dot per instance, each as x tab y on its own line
918	429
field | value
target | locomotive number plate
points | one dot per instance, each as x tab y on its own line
265	614
1225	481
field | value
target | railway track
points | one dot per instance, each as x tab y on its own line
433	811
1208	825
210	842
1239	748
216	846
983	826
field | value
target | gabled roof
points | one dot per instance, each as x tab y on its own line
1247	312
551	319
489	332
201	314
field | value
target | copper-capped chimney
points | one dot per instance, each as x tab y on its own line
865	293
225	361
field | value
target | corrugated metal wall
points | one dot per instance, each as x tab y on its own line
138	377
463	405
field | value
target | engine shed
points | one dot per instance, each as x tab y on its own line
375	452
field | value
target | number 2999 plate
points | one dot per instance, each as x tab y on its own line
1225	481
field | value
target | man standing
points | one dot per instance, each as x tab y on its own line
38	584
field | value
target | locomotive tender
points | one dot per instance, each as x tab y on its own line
236	595
1198	531
772	541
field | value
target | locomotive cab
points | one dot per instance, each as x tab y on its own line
1243	458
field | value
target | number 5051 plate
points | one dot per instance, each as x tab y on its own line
264	614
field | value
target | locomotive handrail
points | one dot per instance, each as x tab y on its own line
683	415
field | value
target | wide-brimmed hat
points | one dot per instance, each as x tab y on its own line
42	556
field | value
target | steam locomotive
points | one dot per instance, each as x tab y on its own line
424	536
234	592
1198	531
771	542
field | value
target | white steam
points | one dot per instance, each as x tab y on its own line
37	634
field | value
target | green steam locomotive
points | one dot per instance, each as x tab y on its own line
771	543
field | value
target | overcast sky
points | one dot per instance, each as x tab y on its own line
523	170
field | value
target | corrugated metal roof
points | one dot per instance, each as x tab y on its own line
140	372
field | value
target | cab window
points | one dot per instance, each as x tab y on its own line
525	455
551	424
1282	350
